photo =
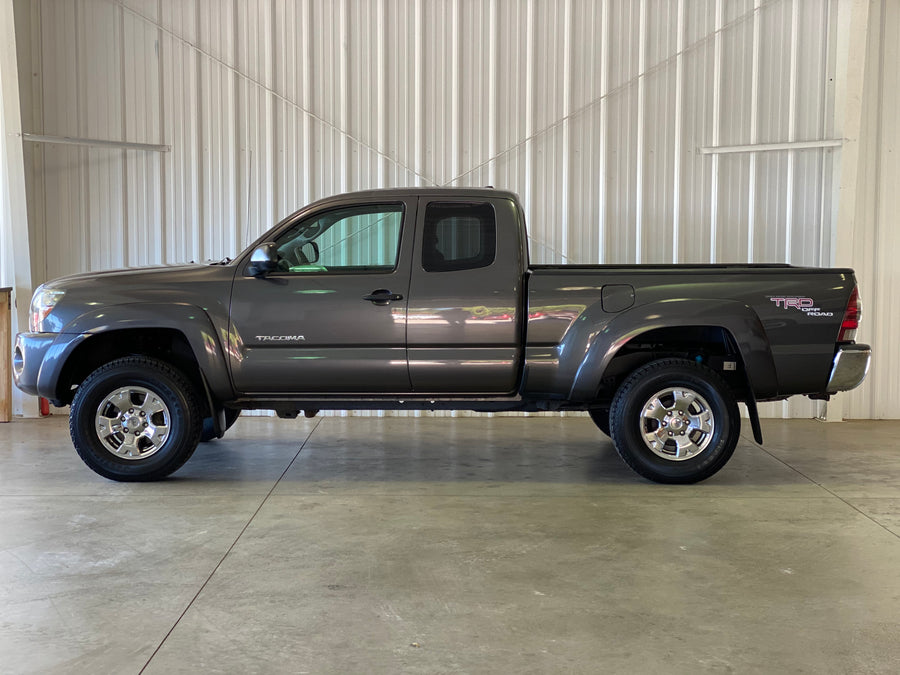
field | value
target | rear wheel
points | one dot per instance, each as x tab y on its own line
135	419
675	421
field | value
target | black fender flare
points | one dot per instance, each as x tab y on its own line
740	320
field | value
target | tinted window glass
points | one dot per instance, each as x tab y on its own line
458	236
357	239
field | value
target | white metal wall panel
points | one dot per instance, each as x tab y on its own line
875	247
141	99
593	111
694	174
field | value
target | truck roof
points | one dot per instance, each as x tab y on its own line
388	193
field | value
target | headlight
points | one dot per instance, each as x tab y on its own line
42	304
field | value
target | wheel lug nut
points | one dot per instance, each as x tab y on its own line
145	425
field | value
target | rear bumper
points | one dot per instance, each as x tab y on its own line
851	364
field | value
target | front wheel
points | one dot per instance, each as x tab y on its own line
135	419
600	417
675	421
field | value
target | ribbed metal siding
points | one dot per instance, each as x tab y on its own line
592	111
875	247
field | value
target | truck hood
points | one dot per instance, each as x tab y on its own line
205	286
72	280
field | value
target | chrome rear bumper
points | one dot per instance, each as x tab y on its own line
851	364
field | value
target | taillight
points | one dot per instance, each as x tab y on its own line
851	318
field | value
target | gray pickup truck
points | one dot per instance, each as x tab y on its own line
418	299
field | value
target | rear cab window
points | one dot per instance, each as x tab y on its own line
458	236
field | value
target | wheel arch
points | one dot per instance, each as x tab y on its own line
677	326
181	335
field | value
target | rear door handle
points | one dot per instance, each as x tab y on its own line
382	297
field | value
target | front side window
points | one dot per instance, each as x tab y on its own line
353	239
458	236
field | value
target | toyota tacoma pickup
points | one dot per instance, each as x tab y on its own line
424	299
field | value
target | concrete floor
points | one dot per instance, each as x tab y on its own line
427	545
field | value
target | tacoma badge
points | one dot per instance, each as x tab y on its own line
281	338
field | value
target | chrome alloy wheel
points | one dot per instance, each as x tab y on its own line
132	423
677	423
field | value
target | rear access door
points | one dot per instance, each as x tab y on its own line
464	328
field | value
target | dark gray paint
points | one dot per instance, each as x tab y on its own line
350	344
465	327
190	299
568	320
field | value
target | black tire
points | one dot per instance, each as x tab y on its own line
600	416
208	432
160	398
704	431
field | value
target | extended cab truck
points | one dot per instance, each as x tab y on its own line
425	299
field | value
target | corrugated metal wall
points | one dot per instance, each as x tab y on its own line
594	112
874	247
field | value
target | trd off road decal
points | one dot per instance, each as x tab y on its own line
805	305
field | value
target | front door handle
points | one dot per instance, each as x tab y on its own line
382	297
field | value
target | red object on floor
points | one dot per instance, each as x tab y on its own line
45	407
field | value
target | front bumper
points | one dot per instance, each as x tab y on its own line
31	348
851	364
39	358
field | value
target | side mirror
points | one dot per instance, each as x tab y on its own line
263	260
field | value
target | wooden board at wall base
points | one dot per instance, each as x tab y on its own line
5	355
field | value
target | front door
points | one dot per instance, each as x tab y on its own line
332	318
